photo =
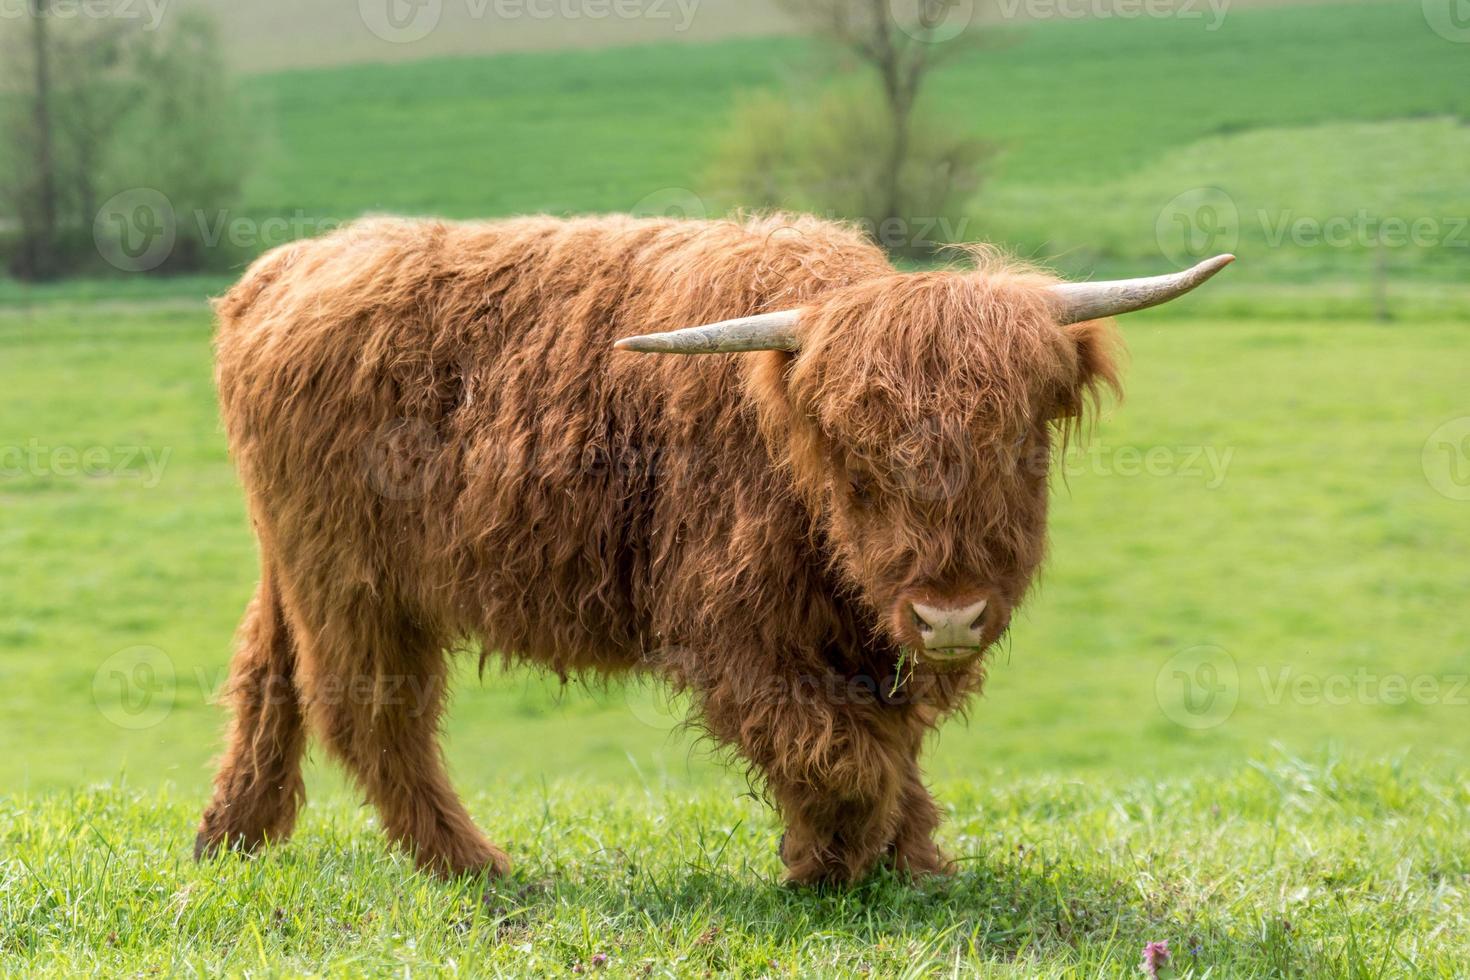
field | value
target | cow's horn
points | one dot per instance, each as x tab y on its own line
1078	301
1075	302
765	331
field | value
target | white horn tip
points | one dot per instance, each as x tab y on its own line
1093	301
1207	269
642	345
763	331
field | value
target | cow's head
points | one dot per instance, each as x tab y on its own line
917	412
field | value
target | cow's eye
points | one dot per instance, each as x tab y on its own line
860	488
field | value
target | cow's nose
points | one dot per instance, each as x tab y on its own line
949	627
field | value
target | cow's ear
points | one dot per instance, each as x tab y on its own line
767	386
1099	350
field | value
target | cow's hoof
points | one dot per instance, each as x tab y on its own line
467	860
207	845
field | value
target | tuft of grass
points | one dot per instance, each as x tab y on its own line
1283	868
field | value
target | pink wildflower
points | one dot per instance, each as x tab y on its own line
1155	956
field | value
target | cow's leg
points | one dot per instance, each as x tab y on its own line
375	694
836	767
258	789
913	850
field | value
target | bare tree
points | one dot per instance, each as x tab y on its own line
40	237
99	106
56	110
902	54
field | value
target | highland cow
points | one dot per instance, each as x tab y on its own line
815	531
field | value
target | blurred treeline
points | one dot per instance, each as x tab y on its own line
94	107
1322	141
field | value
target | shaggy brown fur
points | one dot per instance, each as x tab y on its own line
440	446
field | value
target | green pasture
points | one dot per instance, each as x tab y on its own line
1324	142
1234	715
1287	870
1108	131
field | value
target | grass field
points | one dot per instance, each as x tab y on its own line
1342	870
1232	717
1312	112
1258	520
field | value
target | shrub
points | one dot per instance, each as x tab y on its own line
842	156
129	113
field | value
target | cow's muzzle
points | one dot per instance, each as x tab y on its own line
947	631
